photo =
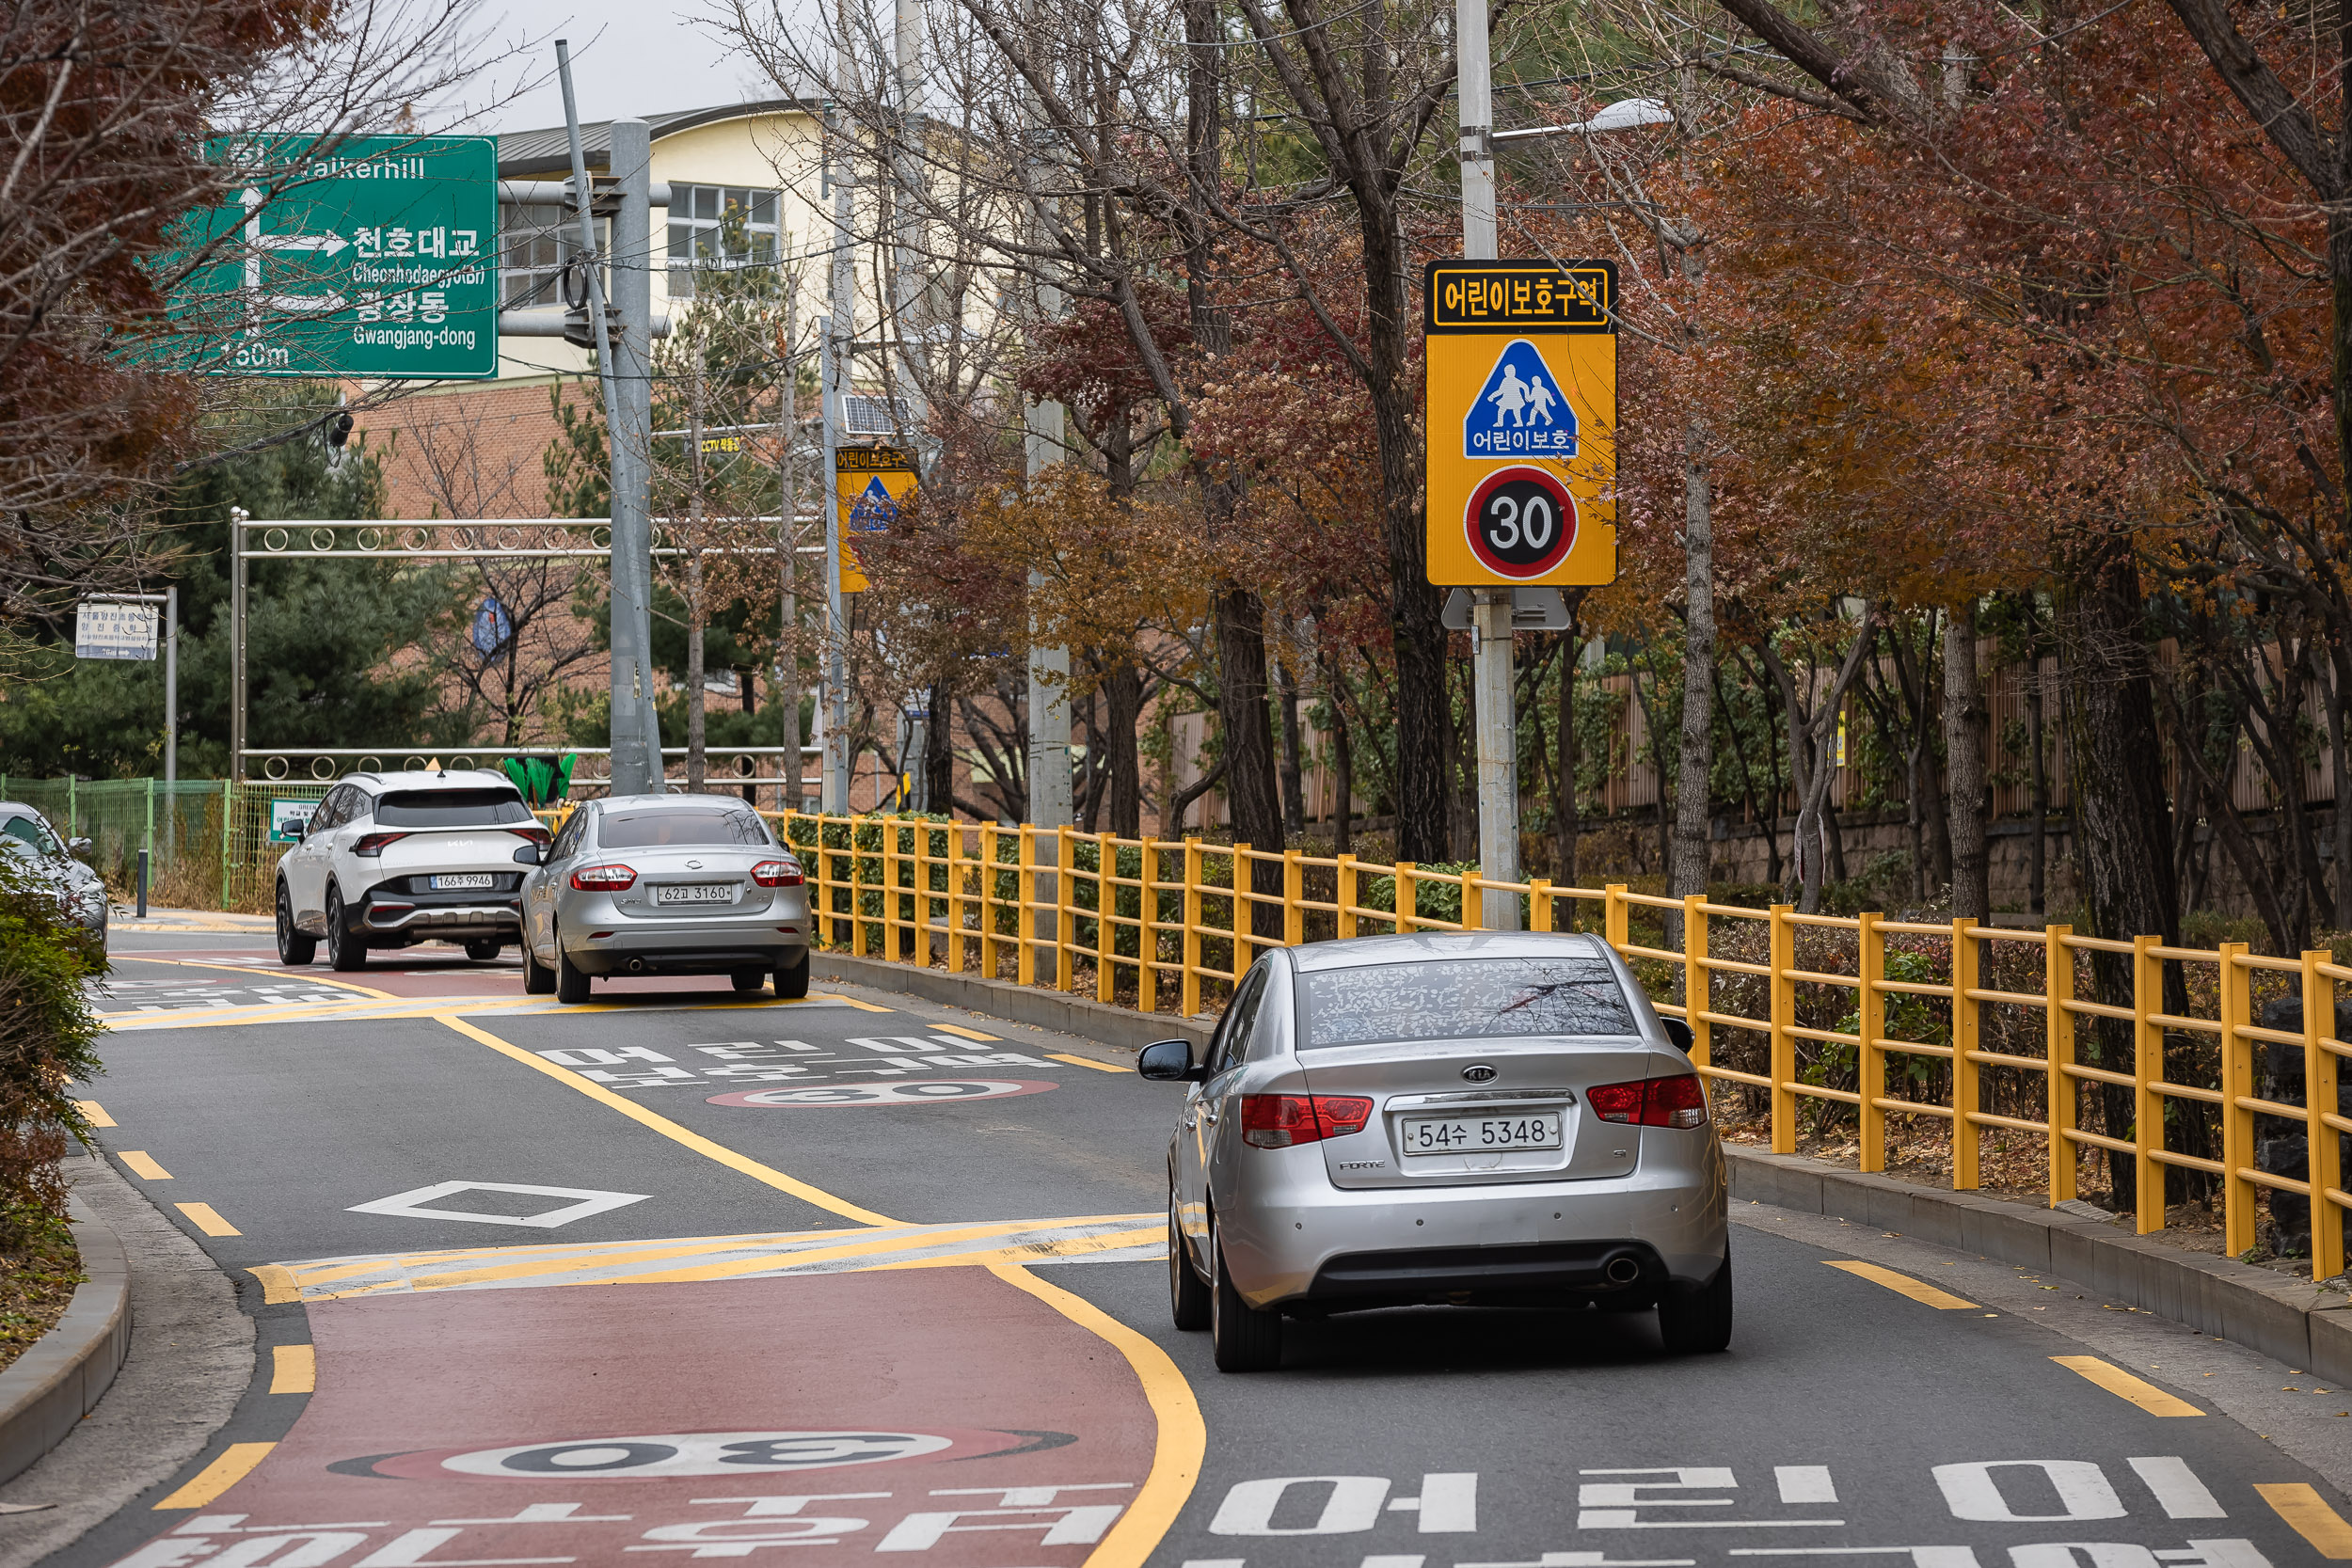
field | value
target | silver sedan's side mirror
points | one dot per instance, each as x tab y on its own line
1679	1032
78	846
1169	1062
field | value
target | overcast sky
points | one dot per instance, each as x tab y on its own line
628	58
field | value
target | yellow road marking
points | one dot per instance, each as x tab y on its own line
1084	1061
205	1218
1180	1438
2308	1514
670	1129
143	1163
826	1255
1903	1284
219	1476
861	1006
294	1370
1183	1436
2116	1381
967	1034
1032	1252
93	1113
278	1283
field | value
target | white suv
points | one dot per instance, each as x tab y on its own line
390	860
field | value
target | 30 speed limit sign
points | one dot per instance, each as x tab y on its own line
1522	415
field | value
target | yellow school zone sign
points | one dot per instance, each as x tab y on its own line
1522	423
867	483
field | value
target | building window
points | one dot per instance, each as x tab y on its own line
703	239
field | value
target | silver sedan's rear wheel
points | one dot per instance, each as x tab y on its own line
571	985
1187	1294
1244	1338
1697	1322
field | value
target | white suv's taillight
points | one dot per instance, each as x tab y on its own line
603	879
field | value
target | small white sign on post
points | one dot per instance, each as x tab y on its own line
107	629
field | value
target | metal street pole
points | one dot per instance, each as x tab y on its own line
172	717
630	163
237	515
172	685
1490	614
632	767
840	324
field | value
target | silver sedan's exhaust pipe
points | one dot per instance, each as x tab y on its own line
1622	1269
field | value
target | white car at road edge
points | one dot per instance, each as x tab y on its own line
391	860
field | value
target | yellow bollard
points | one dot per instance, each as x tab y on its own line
1782	948
2236	1013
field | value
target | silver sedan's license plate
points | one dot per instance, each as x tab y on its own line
450	882
695	893
1476	1133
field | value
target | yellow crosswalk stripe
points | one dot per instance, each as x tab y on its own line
219	1476
2116	1381
1903	1284
2308	1514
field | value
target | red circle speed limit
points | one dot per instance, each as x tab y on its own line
1521	522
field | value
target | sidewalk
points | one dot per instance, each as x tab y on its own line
197	920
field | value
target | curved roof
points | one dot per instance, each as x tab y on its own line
523	154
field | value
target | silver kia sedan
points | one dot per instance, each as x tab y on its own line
1479	1119
663	884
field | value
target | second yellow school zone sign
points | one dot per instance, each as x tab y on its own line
1522	423
868	484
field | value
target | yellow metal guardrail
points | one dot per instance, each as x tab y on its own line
1158	921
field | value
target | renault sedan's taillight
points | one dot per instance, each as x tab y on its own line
785	873
1677	1101
1282	1121
603	879
371	845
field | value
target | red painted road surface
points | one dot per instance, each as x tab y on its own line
939	1411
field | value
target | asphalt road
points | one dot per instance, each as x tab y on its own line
680	1275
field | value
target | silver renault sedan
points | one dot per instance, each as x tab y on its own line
1471	1119
663	884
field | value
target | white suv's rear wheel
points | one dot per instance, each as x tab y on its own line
345	951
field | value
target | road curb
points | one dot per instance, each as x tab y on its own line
49	1388
2289	1319
1081	1015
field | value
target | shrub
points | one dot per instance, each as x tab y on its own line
48	1038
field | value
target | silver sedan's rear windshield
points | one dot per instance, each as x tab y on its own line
1443	999
640	830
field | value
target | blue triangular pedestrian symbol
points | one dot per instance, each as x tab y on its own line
874	511
1523	410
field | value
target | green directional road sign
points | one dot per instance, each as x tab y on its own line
369	257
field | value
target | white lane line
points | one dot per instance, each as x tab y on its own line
2178	1490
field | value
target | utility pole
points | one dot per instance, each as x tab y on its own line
631	166
906	271
633	769
1490	611
840	302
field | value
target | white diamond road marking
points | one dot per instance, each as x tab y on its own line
413	1205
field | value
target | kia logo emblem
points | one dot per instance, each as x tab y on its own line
1479	1072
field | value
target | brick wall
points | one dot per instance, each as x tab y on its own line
468	452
